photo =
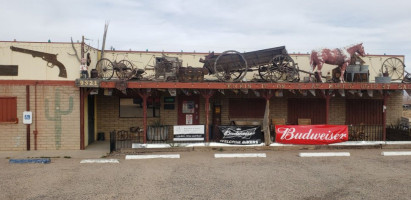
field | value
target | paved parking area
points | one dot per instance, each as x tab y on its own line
365	174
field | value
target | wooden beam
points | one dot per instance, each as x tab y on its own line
207	94
267	95
262	86
144	94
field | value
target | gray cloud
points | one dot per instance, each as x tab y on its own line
215	25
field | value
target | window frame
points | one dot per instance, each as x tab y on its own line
9	108
150	108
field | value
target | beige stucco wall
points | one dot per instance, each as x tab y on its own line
146	59
35	68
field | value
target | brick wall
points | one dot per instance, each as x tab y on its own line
337	111
58	125
394	108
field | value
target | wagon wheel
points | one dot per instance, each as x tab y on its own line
105	68
394	67
284	64
232	71
269	72
125	70
293	74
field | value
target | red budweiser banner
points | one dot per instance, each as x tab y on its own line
311	134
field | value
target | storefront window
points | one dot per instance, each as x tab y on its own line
133	107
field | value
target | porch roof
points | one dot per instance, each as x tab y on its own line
97	83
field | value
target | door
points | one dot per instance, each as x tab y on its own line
188	110
90	106
216	122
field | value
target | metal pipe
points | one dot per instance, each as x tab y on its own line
144	96
28	125
35	132
384	117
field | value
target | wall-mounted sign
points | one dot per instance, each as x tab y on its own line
27	117
240	134
189	133
9	70
169	99
188	106
311	134
87	83
189	119
169	106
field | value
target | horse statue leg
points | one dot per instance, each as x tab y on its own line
318	75
343	67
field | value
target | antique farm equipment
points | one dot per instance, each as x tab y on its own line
232	66
190	74
166	68
395	68
339	56
170	69
51	59
124	69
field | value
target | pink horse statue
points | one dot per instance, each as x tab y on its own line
339	56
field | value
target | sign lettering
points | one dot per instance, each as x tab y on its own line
311	134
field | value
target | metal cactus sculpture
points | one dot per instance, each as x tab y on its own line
57	115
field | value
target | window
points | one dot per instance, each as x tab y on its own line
8	109
133	107
247	108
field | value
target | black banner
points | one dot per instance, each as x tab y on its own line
240	134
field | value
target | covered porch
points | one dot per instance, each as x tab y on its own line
262	104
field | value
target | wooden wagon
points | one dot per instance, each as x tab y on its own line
272	65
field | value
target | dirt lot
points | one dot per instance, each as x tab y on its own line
198	175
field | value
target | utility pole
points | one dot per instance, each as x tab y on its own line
104	38
82	47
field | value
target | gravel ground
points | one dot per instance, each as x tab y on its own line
198	175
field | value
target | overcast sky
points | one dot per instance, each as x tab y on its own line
384	26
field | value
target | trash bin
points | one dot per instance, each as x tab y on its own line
100	136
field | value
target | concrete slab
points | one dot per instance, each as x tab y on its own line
133	157
396	153
324	154
99	161
240	155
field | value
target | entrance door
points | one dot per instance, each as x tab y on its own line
188	110
90	119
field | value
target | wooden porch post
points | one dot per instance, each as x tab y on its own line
267	94
207	94
144	94
384	117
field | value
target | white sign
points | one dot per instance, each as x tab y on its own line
189	133
27	117
189	119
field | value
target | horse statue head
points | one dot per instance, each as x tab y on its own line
338	56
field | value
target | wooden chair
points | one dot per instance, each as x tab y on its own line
304	121
278	121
